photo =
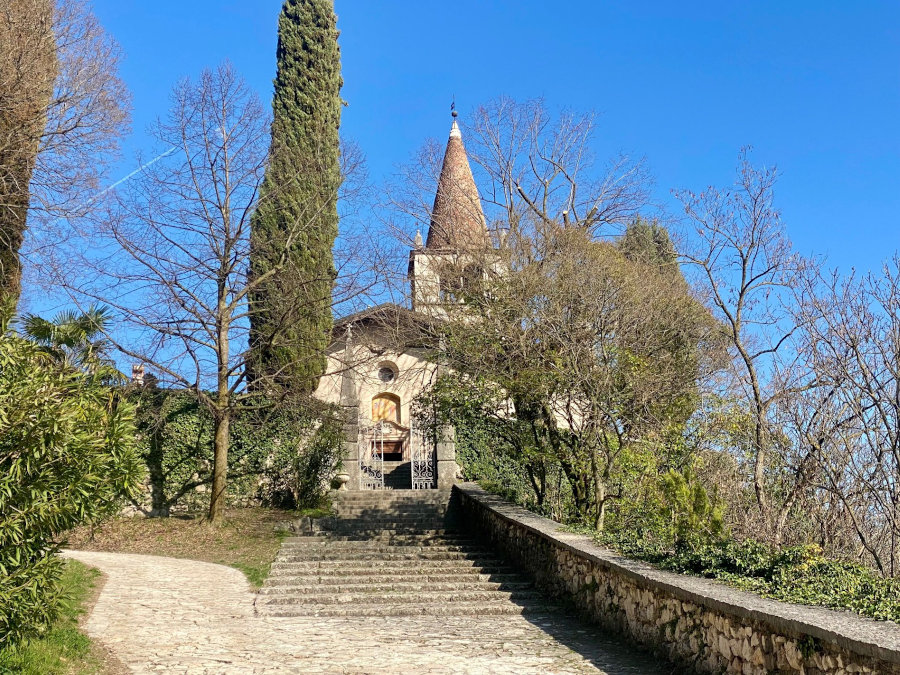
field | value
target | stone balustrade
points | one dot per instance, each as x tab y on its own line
698	623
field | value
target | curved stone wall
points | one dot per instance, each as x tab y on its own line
698	623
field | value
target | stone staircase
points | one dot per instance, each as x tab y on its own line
397	475
393	553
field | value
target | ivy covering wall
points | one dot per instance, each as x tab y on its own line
278	456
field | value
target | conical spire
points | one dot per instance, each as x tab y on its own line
457	221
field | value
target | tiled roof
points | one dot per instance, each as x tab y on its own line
457	220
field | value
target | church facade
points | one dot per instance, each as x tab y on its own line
378	362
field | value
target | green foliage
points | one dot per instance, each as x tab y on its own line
798	574
595	357
695	517
648	242
66	458
496	451
63	648
73	338
278	455
291	311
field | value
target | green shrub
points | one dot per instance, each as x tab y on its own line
694	517
492	449
63	648
66	458
799	574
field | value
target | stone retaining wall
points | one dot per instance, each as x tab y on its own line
698	623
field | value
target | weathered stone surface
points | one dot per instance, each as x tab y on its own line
161	615
705	625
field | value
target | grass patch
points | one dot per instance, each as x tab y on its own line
246	539
63	648
323	511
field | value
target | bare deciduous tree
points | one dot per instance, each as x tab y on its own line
532	168
171	259
854	347
747	270
550	318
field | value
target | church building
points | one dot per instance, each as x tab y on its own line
378	362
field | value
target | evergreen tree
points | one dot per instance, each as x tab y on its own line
648	242
295	224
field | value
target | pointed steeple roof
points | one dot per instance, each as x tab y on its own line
457	220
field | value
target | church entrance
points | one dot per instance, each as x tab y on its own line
394	457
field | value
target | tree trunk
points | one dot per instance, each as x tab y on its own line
27	72
220	465
159	505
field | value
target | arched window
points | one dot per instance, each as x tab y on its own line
386	407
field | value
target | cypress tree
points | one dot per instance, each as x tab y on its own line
290	310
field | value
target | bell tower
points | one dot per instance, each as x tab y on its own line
457	230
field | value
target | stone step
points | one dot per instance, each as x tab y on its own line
389	514
425	577
411	525
423	526
387	522
343	495
412	509
376	547
502	607
328	554
382	597
386	504
394	498
372	533
382	537
394	563
387	569
299	542
429	567
400	539
390	508
311	586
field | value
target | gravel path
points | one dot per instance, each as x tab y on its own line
163	615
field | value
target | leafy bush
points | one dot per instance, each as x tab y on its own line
66	458
278	455
799	574
63	649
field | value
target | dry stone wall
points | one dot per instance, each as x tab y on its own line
698	623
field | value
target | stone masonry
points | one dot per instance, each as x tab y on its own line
701	624
393	553
388	585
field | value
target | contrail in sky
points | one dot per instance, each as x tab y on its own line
131	175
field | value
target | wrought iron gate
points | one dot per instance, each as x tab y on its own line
422	460
371	457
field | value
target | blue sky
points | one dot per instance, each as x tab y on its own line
812	85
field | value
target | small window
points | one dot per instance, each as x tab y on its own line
387	372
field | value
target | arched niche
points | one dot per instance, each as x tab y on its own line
386	406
